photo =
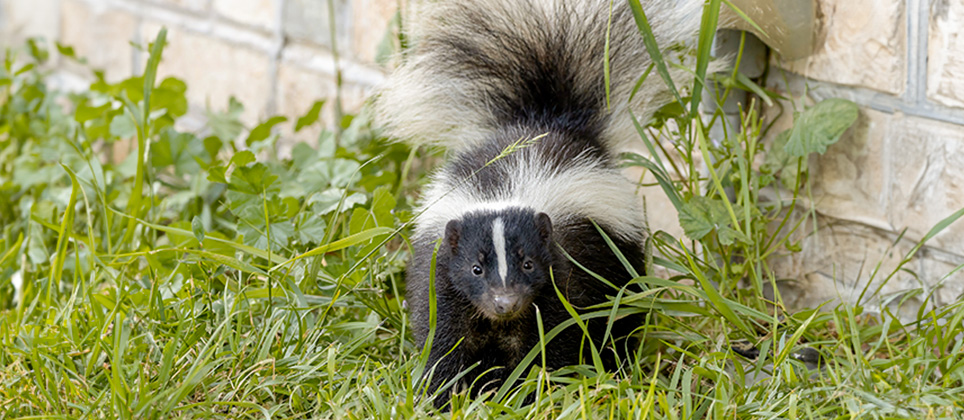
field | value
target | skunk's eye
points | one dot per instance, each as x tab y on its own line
476	270
527	265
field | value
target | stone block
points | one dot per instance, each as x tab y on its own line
215	70
943	272
308	20
299	88
860	43
193	5
101	36
20	20
838	260
928	180
850	181
945	53
370	27
258	13
310	56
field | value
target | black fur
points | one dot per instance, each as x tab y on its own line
498	345
538	70
484	75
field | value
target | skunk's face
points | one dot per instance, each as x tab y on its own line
499	259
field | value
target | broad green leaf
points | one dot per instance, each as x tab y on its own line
303	155
327	201
700	215
254	179
170	95
38	49
263	130
257	235
179	150
212	145
198	228
383	202
781	164
66	50
728	235
820	126
86	111
343	171
242	158
310	228
310	117
217	174
227	125
360	220
122	126
315	176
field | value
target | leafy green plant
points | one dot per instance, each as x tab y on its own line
141	286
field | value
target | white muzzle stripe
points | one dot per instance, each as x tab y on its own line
498	242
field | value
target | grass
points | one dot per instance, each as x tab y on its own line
198	279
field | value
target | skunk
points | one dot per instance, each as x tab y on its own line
515	90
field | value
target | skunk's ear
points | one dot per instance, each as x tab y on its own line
544	227
453	231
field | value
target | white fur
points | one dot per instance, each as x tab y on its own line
424	103
585	189
498	242
425	106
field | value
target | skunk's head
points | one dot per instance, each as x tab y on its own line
499	259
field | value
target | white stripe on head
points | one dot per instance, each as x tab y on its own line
498	242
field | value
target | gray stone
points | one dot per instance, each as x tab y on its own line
299	87
193	5
216	70
258	13
370	26
308	20
862	43
839	259
945	53
944	273
102	37
20	20
850	179
928	180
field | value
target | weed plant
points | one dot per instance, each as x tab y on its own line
202	276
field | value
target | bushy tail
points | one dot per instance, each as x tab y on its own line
478	65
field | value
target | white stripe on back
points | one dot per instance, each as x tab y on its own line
498	242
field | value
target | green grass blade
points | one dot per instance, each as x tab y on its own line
342	243
606	78
143	134
722	306
746	18
649	40
432	319
60	255
704	49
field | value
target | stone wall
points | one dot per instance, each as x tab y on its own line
900	171
274	56
901	168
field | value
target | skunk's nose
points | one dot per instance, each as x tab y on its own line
505	303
